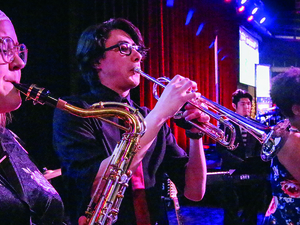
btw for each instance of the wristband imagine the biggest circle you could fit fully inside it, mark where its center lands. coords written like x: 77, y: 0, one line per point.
x: 192, y: 135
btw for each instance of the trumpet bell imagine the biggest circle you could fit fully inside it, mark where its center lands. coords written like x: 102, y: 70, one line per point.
x: 269, y: 137
x: 275, y: 140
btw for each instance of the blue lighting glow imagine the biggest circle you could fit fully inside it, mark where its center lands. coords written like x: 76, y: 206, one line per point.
x: 254, y: 10
x: 200, y: 29
x: 170, y: 3
x: 189, y: 17
x: 262, y: 20
x: 212, y: 44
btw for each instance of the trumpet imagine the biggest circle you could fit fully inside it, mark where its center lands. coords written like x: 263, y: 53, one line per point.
x: 226, y: 117
x: 106, y: 200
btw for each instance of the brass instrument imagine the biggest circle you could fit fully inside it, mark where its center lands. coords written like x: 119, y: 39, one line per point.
x: 277, y: 138
x: 106, y: 200
x: 225, y: 117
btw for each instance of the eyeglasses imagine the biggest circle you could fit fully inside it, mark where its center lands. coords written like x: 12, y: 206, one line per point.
x: 126, y: 49
x: 8, y: 50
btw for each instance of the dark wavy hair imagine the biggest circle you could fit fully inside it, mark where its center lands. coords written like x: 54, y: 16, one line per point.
x: 285, y: 90
x: 238, y: 94
x: 91, y: 45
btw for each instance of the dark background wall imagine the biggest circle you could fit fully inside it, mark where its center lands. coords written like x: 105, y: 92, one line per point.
x: 43, y: 26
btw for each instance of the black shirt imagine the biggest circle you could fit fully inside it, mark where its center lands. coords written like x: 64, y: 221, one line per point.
x: 82, y: 143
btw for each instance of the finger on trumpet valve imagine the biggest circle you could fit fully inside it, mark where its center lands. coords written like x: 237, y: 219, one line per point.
x: 197, y: 100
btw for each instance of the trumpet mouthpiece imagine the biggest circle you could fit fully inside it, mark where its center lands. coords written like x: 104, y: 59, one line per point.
x: 137, y: 69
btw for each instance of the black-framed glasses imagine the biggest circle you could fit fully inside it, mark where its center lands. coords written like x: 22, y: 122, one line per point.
x: 126, y: 49
x: 8, y: 50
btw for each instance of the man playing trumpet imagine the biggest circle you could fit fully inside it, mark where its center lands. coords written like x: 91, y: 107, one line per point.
x: 108, y: 53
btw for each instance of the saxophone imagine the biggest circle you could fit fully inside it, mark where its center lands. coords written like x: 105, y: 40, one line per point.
x: 106, y: 200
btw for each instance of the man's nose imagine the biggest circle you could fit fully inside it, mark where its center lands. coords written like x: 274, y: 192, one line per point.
x: 17, y: 63
x: 137, y: 57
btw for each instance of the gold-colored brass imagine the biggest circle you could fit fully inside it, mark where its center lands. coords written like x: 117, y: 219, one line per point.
x: 105, y: 202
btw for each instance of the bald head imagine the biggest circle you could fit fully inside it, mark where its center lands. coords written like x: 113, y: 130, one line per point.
x: 3, y: 16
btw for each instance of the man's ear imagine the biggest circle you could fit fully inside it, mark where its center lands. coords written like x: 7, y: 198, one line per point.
x: 296, y: 109
x: 234, y: 106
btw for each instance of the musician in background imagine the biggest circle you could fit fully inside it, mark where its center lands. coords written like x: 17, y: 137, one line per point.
x: 285, y: 170
x: 242, y: 193
x: 107, y: 55
x: 26, y: 197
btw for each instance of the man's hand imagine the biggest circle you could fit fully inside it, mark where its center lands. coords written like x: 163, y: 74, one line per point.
x: 179, y: 91
x: 193, y: 113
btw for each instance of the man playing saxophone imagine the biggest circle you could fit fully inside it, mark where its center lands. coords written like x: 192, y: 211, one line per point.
x: 108, y: 53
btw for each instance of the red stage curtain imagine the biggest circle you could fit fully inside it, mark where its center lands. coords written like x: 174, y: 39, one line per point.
x: 176, y: 49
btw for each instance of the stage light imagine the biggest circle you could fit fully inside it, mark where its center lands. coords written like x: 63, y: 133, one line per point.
x: 262, y: 20
x: 254, y: 10
x: 189, y: 17
x: 224, y: 57
x: 241, y: 9
x: 200, y: 29
x: 170, y: 3
x: 250, y: 18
